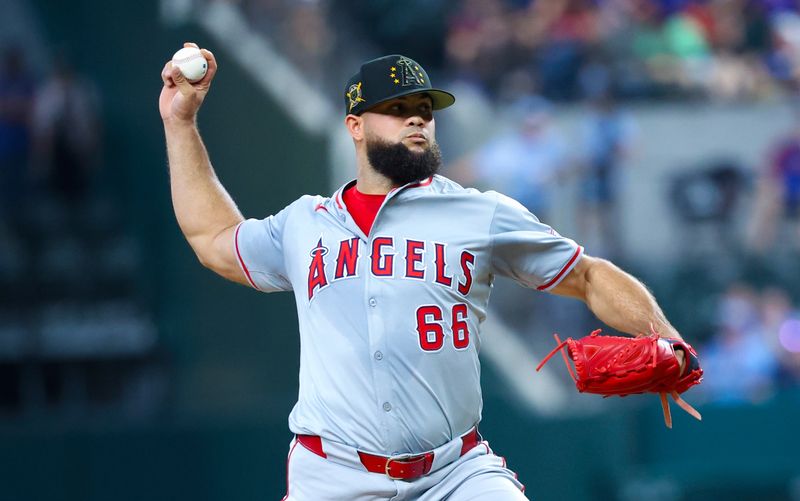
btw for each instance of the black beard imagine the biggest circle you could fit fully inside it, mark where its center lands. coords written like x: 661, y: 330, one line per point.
x: 401, y: 165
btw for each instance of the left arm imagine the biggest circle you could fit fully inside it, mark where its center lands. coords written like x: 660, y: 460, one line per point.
x: 615, y: 297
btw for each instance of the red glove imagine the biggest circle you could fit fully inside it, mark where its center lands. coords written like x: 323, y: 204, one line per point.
x: 613, y: 365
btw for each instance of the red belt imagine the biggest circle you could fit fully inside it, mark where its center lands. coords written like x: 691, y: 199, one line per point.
x: 402, y: 467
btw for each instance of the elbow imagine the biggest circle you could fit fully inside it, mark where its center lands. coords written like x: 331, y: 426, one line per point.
x: 205, y: 261
x: 215, y: 264
x: 575, y: 283
x: 202, y: 251
x: 595, y: 267
x: 213, y: 258
x: 216, y: 252
x: 599, y: 272
x: 588, y: 274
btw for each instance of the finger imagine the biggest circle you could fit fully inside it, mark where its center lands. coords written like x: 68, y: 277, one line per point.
x: 183, y: 85
x: 166, y: 75
x: 681, y: 359
x: 212, y: 65
x: 190, y: 44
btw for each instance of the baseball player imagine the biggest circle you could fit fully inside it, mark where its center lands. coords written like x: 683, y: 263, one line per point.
x: 391, y: 275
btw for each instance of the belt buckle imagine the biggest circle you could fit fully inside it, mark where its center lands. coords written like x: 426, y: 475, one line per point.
x: 400, y: 458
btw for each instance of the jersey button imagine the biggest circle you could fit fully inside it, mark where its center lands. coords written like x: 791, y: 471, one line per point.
x: 373, y: 302
x: 378, y: 355
x: 387, y: 406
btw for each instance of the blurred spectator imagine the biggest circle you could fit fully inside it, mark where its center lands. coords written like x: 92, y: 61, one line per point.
x: 740, y: 365
x: 573, y: 29
x: 781, y: 324
x: 67, y: 132
x: 729, y: 49
x: 778, y: 194
x: 785, y: 60
x: 726, y: 49
x: 478, y: 43
x: 740, y: 33
x: 16, y: 104
x: 608, y: 139
x: 523, y: 162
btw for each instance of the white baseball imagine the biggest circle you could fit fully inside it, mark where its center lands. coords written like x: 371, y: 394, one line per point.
x: 192, y: 63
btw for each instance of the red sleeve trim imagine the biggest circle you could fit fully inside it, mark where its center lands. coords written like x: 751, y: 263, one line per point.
x: 241, y: 261
x: 563, y: 271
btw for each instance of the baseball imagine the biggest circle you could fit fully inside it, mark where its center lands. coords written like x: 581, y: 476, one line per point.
x: 192, y: 63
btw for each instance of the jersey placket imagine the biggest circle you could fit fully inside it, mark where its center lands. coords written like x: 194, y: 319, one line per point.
x: 376, y: 300
x: 374, y: 310
x: 376, y: 304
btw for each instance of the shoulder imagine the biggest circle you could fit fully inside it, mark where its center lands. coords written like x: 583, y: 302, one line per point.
x: 447, y: 186
x: 441, y: 184
x: 306, y: 204
x: 505, y: 202
x: 306, y: 201
x: 444, y: 186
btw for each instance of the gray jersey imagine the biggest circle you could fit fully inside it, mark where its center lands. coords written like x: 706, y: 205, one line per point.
x: 390, y: 321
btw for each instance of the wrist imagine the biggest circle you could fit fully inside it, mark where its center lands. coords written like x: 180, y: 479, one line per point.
x: 671, y: 332
x: 180, y: 123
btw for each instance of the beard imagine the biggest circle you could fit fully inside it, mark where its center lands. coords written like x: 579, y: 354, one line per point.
x: 401, y: 165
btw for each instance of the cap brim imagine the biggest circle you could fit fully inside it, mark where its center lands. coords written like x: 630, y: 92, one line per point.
x: 441, y: 98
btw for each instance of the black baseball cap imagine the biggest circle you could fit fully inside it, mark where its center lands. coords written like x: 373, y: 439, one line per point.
x: 389, y: 77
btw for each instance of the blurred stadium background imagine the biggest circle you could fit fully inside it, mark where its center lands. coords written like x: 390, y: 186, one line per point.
x: 664, y: 135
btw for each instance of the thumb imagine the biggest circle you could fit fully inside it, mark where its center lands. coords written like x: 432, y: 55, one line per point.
x: 184, y: 87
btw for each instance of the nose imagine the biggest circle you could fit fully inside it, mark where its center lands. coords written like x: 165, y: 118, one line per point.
x: 415, y: 121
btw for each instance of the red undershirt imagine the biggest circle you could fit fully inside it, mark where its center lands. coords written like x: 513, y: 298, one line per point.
x: 362, y: 207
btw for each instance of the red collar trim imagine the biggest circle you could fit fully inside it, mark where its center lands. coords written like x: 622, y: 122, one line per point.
x: 338, y: 195
x: 418, y: 184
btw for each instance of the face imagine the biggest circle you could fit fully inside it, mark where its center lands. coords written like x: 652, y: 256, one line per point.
x: 407, y: 120
x: 399, y: 139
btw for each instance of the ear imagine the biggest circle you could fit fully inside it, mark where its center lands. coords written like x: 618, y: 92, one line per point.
x: 355, y: 125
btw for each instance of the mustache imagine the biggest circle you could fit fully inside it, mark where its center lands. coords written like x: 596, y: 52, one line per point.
x: 415, y: 131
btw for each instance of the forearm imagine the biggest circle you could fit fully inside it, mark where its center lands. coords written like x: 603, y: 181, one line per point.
x: 623, y: 302
x: 202, y: 206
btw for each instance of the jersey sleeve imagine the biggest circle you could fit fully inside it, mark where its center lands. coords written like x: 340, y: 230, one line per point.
x: 259, y: 248
x: 527, y: 250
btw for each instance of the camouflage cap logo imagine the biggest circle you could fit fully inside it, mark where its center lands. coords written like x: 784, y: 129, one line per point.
x: 408, y: 74
x: 354, y: 95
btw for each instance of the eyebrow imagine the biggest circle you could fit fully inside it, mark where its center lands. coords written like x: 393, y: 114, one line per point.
x: 405, y: 99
